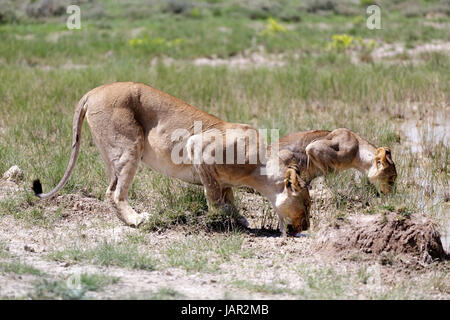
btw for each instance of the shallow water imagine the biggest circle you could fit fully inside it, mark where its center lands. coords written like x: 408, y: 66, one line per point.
x: 446, y: 242
x: 445, y: 238
x: 419, y: 132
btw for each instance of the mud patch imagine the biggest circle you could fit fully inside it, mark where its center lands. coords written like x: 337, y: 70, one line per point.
x: 7, y: 188
x: 425, y: 132
x: 67, y: 66
x: 243, y: 61
x: 393, y: 51
x: 75, y: 205
x: 415, y: 236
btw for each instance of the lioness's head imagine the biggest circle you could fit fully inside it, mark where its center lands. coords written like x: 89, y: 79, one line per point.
x: 294, y: 203
x: 383, y: 173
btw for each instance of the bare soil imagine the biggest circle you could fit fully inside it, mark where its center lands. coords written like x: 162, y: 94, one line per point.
x: 277, y: 268
x: 414, y: 235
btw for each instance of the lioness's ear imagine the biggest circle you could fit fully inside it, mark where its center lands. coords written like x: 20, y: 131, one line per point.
x: 388, y: 155
x: 383, y: 154
x: 292, y: 177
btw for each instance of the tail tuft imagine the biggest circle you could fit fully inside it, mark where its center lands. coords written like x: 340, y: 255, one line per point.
x: 37, y: 187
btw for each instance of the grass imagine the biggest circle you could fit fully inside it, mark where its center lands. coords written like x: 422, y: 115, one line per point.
x: 4, y: 252
x: 193, y: 254
x: 177, y: 204
x: 325, y: 83
x: 55, y: 289
x: 19, y: 268
x: 10, y: 264
x: 335, y: 282
x: 95, y: 282
x: 271, y: 288
x: 199, y: 254
x: 108, y: 254
x: 166, y: 293
x: 25, y: 207
x: 70, y: 289
x: 163, y: 293
x: 192, y: 259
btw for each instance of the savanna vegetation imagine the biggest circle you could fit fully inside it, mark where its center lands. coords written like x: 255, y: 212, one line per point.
x: 290, y: 65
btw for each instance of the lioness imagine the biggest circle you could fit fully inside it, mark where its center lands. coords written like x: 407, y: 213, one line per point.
x: 319, y: 151
x: 132, y: 122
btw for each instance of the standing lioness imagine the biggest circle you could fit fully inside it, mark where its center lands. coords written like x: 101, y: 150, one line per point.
x: 132, y: 122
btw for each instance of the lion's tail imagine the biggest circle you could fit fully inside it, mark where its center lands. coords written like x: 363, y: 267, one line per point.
x: 78, y: 118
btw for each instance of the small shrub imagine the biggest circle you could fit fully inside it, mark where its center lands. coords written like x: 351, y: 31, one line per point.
x: 341, y: 42
x: 94, y: 282
x: 272, y: 28
x: 46, y: 8
x: 18, y: 268
x: 55, y: 289
x: 320, y: 5
x: 178, y: 7
x: 366, y: 3
x: 261, y: 9
x: 7, y: 12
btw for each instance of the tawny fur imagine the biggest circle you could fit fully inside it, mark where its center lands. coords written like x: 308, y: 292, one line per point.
x: 319, y: 152
x: 132, y: 122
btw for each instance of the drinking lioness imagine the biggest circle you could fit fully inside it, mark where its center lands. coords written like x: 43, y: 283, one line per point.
x: 319, y: 152
x: 132, y: 122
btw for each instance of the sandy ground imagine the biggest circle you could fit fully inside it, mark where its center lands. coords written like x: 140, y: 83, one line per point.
x: 277, y: 268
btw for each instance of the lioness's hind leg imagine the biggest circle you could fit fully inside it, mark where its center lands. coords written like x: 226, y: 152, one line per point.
x: 121, y: 142
x: 125, y: 168
x: 103, y: 146
x: 332, y: 154
x: 322, y: 154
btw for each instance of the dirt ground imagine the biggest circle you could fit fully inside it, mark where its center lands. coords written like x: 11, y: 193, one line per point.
x: 265, y: 266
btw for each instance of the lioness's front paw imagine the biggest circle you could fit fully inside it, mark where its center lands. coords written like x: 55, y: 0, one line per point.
x: 144, y: 216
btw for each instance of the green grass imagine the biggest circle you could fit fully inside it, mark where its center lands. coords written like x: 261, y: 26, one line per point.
x: 166, y: 294
x: 18, y: 267
x: 334, y: 282
x: 198, y: 254
x: 25, y: 206
x: 95, y: 282
x: 45, y: 69
x: 191, y: 259
x: 55, y: 289
x: 4, y: 252
x: 270, y: 288
x: 163, y: 293
x: 193, y: 254
x: 177, y: 204
x: 321, y: 89
x: 108, y: 254
x: 10, y: 264
x: 75, y: 287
